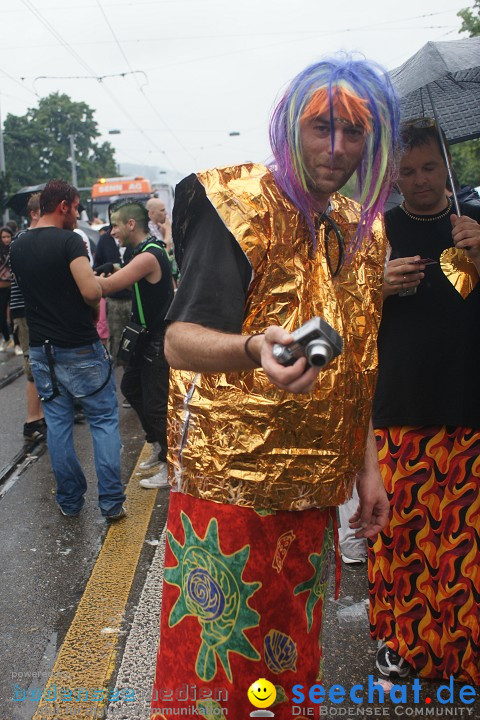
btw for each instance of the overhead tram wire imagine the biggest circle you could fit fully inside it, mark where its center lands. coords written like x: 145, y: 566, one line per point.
x: 30, y: 6
x: 84, y: 77
x: 18, y: 82
x: 290, y: 41
x: 141, y: 87
x: 109, y: 24
x: 136, y: 3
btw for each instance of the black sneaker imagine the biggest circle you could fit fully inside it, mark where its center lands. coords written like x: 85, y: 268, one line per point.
x: 35, y: 430
x: 116, y: 516
x: 390, y: 663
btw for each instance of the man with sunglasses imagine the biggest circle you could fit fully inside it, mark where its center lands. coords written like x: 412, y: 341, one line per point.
x: 261, y: 454
x: 424, y: 570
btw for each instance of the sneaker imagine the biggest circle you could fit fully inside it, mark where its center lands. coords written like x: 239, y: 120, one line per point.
x: 67, y: 513
x: 156, y: 481
x: 116, y: 516
x: 35, y: 430
x: 3, y: 345
x: 126, y: 404
x: 353, y: 561
x: 390, y: 664
x: 10, y: 346
x: 18, y: 350
x: 152, y: 459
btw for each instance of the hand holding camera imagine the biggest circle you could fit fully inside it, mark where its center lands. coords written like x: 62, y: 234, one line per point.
x: 297, y: 369
x: 106, y: 269
x: 316, y: 340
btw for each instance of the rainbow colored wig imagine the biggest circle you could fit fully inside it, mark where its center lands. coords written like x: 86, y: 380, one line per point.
x: 360, y: 91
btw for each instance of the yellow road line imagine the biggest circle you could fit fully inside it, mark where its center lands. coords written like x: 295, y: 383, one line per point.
x: 86, y: 659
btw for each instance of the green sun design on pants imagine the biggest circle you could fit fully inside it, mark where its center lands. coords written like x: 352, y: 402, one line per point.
x: 212, y: 590
x: 318, y: 582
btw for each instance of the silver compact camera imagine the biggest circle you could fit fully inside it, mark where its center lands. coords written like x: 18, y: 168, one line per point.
x: 316, y: 340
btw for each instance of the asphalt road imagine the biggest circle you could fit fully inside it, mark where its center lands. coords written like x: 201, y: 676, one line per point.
x: 45, y: 558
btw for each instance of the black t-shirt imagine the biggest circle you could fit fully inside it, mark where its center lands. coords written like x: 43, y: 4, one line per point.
x: 215, y: 272
x: 429, y: 343
x: 55, y: 309
x: 155, y: 297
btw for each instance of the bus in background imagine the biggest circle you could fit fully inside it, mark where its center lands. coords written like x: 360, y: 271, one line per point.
x: 108, y: 190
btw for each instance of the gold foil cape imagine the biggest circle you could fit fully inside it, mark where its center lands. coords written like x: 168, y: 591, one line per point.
x: 236, y: 438
x: 459, y: 270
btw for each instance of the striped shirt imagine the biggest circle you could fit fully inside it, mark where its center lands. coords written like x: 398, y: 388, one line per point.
x: 17, y: 303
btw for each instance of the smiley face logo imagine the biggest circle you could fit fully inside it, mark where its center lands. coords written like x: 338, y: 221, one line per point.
x: 262, y: 693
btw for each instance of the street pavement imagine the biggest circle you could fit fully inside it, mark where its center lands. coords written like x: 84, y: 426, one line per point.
x: 46, y: 559
x: 80, y: 602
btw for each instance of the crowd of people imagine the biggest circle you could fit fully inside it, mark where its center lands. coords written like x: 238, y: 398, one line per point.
x: 259, y: 452
x: 67, y: 365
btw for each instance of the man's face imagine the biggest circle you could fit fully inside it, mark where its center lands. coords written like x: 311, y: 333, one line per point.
x: 70, y: 215
x: 422, y: 178
x: 121, y: 231
x: 328, y: 170
x: 157, y: 213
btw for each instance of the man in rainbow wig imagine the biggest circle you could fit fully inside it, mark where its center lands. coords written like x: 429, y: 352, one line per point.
x: 261, y: 453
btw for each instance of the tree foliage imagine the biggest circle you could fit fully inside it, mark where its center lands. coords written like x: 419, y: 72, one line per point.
x: 466, y: 155
x: 37, y: 144
x: 466, y: 161
x: 471, y: 19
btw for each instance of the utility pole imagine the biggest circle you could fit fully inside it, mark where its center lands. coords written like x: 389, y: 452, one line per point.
x: 6, y: 214
x: 72, y: 157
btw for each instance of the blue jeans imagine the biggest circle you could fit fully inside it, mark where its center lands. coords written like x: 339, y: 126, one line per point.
x: 79, y: 372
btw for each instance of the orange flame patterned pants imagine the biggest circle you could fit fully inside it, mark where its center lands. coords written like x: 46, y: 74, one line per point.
x: 424, y: 568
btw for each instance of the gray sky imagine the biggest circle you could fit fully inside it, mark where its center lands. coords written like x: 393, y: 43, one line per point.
x: 196, y: 70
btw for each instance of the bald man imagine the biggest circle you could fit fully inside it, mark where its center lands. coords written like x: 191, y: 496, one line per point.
x: 160, y: 227
x: 159, y: 224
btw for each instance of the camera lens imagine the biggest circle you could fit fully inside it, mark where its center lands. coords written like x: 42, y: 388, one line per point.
x: 318, y: 353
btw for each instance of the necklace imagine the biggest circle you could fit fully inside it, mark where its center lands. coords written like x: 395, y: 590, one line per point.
x: 423, y: 218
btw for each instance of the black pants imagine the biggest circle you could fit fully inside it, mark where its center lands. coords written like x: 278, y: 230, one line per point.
x: 4, y: 300
x: 145, y: 385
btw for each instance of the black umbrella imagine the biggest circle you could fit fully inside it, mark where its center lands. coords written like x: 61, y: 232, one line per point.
x: 442, y: 80
x: 18, y: 202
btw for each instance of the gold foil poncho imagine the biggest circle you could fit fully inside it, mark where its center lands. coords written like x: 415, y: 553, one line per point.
x: 236, y: 438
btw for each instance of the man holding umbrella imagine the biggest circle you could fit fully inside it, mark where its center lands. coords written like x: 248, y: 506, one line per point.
x: 424, y: 569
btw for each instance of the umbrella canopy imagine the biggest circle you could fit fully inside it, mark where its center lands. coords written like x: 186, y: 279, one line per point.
x: 446, y: 74
x: 90, y: 232
x: 18, y: 202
